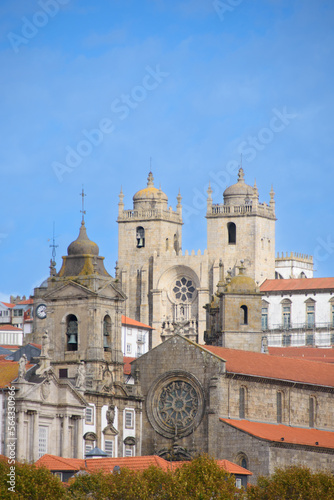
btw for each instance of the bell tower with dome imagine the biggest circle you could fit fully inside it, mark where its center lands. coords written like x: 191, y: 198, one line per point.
x: 151, y: 227
x: 243, y: 228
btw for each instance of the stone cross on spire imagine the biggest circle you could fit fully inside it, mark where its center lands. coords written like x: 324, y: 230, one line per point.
x: 83, y: 211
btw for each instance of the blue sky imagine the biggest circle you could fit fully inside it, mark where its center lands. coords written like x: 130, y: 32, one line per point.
x: 188, y: 83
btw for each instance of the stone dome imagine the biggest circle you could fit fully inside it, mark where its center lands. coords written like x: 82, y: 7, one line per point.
x: 242, y: 283
x: 237, y: 193
x: 150, y: 193
x: 83, y: 245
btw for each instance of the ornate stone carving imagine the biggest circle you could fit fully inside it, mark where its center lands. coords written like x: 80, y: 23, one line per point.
x: 175, y: 404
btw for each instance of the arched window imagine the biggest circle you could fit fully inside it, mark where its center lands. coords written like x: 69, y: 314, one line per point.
x: 176, y: 243
x: 279, y: 407
x: 232, y: 233
x: 244, y: 315
x: 242, y: 460
x: 72, y: 332
x: 242, y: 402
x: 107, y: 333
x: 140, y: 235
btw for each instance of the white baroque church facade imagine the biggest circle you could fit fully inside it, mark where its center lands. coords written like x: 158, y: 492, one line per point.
x: 167, y: 287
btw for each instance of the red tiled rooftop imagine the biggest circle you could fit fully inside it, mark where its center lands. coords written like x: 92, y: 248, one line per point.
x: 132, y: 322
x: 297, y: 284
x: 9, y: 371
x: 25, y: 302
x: 127, y: 367
x: 310, y: 353
x: 55, y: 463
x: 10, y: 328
x: 275, y: 367
x: 292, y: 435
x: 7, y: 304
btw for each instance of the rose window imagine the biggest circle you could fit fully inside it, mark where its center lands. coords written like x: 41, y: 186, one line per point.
x: 184, y: 290
x: 178, y: 405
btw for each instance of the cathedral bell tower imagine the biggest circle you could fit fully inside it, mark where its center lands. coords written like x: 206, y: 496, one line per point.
x: 83, y: 307
x: 150, y: 228
x: 243, y: 228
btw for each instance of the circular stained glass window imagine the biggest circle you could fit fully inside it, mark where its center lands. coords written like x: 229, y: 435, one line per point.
x: 178, y: 405
x: 184, y: 290
x: 175, y: 404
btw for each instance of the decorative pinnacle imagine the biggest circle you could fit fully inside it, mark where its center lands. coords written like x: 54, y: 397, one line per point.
x: 150, y: 180
x: 179, y: 197
x: 83, y: 211
x: 209, y: 191
x: 241, y: 175
x: 272, y: 192
x: 121, y: 195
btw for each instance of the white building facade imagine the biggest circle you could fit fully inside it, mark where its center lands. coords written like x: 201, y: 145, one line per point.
x: 298, y: 312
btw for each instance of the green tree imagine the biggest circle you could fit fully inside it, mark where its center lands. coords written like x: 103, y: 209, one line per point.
x: 293, y: 483
x: 31, y: 482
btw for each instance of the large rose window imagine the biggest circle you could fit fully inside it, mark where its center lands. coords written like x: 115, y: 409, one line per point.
x: 175, y: 404
x: 184, y: 290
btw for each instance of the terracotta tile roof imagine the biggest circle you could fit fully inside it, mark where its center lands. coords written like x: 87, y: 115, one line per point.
x: 297, y: 284
x: 132, y: 322
x: 275, y: 367
x: 223, y: 464
x: 310, y: 353
x: 291, y: 435
x: 10, y: 328
x: 55, y: 463
x: 127, y: 367
x: 7, y: 304
x: 25, y: 302
x: 9, y: 371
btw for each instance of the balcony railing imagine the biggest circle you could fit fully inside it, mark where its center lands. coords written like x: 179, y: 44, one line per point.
x: 300, y: 326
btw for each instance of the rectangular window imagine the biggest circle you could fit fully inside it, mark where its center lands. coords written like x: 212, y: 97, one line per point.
x: 311, y: 412
x: 88, y: 447
x: 59, y: 475
x: 42, y: 440
x: 89, y: 415
x: 286, y: 316
x: 310, y: 311
x: 141, y: 337
x: 62, y: 372
x: 238, y: 483
x: 128, y: 348
x: 6, y: 313
x: 279, y: 407
x: 129, y: 419
x: 0, y: 313
x: 109, y: 447
x: 333, y: 315
x: 128, y: 451
x: 264, y: 318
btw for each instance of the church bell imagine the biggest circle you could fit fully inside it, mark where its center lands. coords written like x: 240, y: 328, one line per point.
x: 72, y: 339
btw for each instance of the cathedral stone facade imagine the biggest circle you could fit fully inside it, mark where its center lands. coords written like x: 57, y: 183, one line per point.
x: 168, y: 287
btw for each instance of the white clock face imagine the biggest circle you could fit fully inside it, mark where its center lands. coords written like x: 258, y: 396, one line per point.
x: 41, y: 311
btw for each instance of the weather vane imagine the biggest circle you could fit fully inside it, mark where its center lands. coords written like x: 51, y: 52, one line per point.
x: 53, y: 245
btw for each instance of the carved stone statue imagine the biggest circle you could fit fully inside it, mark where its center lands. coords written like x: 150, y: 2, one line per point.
x: 45, y: 344
x: 110, y: 415
x: 81, y: 376
x: 22, y: 367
